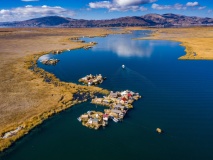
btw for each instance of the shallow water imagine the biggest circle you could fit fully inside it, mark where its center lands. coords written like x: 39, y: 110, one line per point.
x: 177, y: 97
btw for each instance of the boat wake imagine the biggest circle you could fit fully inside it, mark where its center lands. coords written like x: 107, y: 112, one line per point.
x: 125, y: 77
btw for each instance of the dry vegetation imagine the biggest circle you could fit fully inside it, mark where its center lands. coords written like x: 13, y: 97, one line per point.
x: 197, y: 40
x: 25, y: 99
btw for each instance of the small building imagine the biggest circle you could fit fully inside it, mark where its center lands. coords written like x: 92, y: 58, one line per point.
x: 119, y: 107
x: 132, y: 93
x: 95, y: 121
x: 113, y: 95
x: 84, y: 116
x: 122, y: 102
x: 90, y: 121
x: 123, y: 93
x: 130, y: 101
x: 124, y: 99
x: 117, y: 111
x: 98, y: 100
x: 107, y: 101
x: 105, y: 117
x: 129, y: 95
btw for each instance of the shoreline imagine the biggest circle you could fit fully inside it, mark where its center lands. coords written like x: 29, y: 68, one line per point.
x: 67, y: 92
x: 196, y: 40
x: 61, y: 93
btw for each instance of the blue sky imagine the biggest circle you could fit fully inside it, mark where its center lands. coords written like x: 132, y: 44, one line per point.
x: 98, y: 9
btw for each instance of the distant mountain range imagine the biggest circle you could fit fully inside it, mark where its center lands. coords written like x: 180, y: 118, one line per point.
x: 149, y: 20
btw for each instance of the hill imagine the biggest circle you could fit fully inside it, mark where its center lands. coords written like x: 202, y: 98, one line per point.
x: 150, y: 20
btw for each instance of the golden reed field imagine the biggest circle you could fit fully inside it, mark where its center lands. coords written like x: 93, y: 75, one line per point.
x: 197, y: 40
x: 26, y: 99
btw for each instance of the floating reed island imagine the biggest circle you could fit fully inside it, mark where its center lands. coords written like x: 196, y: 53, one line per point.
x: 92, y: 80
x: 93, y: 119
x: 50, y: 61
x: 124, y: 98
x: 118, y: 102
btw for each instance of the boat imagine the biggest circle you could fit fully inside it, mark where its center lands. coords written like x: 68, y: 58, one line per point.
x: 88, y: 112
x: 115, y: 119
x: 79, y: 119
x: 123, y: 66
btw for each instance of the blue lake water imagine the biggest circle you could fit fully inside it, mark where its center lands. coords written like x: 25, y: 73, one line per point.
x: 177, y: 97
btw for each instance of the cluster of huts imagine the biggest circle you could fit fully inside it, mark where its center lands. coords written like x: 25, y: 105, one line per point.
x: 50, y: 61
x: 92, y: 80
x: 118, y: 102
x: 93, y: 119
x: 124, y: 98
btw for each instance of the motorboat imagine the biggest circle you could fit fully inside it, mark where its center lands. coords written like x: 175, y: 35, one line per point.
x: 79, y: 119
x: 115, y: 119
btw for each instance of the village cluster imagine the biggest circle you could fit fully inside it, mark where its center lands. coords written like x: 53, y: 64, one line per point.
x: 92, y: 80
x: 118, y: 104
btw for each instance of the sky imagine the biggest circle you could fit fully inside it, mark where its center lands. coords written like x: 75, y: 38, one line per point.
x: 18, y: 10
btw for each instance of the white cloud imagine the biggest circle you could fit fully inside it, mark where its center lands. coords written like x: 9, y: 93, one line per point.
x: 192, y: 4
x: 178, y: 6
x: 29, y: 0
x: 29, y: 11
x: 210, y: 11
x: 28, y: 6
x: 102, y: 4
x: 123, y: 49
x: 161, y: 7
x: 127, y: 8
x: 121, y: 5
x: 142, y: 8
x: 126, y: 48
x: 132, y: 2
x: 201, y: 8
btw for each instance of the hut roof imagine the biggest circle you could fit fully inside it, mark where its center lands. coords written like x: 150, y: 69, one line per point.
x: 124, y: 98
x: 107, y: 100
x: 84, y: 116
x: 123, y: 93
x: 112, y: 94
x: 95, y: 120
x: 119, y: 106
x: 116, y: 111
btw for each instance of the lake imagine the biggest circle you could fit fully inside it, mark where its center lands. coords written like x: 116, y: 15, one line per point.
x: 177, y: 96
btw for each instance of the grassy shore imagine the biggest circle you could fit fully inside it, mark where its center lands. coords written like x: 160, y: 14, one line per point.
x: 25, y: 98
x: 197, y: 40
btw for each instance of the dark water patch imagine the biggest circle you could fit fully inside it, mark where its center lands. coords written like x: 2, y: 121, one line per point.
x: 82, y: 96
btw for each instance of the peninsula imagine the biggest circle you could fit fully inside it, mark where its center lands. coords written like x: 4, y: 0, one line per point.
x: 29, y: 95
